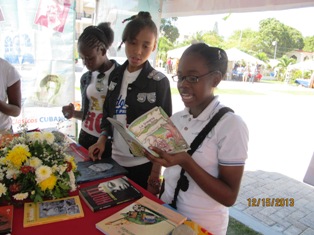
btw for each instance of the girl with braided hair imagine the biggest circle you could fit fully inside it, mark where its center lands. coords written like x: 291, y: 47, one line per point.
x: 134, y: 88
x: 93, y: 45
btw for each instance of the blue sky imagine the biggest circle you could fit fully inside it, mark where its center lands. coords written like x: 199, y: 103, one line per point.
x: 300, y: 18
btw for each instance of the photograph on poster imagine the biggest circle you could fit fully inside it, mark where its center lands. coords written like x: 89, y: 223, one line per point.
x: 52, y: 14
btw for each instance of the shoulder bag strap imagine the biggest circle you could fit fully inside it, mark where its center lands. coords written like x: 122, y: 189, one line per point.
x: 183, y: 182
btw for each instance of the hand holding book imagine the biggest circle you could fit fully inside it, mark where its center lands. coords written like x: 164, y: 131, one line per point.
x: 154, y: 128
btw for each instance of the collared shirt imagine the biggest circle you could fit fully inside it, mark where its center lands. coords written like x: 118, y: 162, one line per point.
x: 226, y: 144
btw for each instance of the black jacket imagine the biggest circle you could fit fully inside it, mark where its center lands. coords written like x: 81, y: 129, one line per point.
x: 151, y: 88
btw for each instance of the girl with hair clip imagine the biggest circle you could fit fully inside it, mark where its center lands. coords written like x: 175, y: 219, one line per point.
x: 134, y: 88
x: 204, y: 181
x: 93, y: 44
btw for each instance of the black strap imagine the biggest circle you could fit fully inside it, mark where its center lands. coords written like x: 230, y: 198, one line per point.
x: 183, y: 182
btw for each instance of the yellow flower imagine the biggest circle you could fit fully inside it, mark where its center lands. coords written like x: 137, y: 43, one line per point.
x: 48, y: 183
x: 18, y: 155
x: 42, y: 173
x: 49, y: 137
x: 72, y: 161
x: 20, y: 196
x: 3, y: 189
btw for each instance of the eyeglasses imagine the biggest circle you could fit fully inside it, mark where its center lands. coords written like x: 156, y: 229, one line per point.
x: 100, y: 86
x: 191, y: 79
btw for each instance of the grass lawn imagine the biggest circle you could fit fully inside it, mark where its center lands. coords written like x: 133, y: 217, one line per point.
x: 236, y: 228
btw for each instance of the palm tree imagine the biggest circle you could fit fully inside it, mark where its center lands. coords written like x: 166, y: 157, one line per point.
x: 283, y: 64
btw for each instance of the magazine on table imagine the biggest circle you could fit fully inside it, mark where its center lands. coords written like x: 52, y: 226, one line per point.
x: 142, y: 217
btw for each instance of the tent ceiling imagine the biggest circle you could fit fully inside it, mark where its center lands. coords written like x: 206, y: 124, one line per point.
x: 177, y: 8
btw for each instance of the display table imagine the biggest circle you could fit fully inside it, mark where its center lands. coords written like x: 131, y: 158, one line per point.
x: 80, y: 226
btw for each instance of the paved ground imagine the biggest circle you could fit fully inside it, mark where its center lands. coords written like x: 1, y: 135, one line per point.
x: 281, y: 146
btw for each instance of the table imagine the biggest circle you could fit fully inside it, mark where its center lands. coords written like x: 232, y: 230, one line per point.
x: 80, y: 226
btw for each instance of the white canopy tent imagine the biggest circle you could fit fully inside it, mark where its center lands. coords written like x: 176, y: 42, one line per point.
x: 235, y: 54
x: 177, y: 52
x: 304, y: 65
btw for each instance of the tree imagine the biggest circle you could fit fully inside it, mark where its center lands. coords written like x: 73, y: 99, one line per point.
x: 245, y: 40
x: 164, y: 45
x: 283, y: 64
x: 168, y: 30
x: 286, y: 37
x: 309, y: 44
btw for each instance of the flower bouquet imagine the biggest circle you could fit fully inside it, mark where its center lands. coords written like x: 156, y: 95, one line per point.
x: 34, y: 166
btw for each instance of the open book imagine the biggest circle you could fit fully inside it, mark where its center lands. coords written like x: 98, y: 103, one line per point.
x: 153, y: 128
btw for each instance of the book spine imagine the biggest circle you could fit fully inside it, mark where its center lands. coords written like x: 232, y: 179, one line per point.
x: 98, y: 199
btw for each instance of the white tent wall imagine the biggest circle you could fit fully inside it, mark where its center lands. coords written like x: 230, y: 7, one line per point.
x: 176, y: 8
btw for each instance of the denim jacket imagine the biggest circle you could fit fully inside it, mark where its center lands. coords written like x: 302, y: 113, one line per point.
x: 85, y: 81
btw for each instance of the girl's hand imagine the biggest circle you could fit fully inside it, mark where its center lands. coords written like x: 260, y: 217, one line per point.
x: 166, y: 159
x: 68, y: 111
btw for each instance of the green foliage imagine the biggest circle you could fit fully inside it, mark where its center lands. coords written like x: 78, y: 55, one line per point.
x: 164, y: 45
x: 309, y: 44
x: 245, y: 40
x: 287, y: 38
x: 168, y: 30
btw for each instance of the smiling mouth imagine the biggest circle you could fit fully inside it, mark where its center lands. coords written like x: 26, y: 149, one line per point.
x: 186, y: 96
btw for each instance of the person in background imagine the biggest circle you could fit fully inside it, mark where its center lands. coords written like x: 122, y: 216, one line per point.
x: 92, y: 47
x: 134, y: 88
x: 10, y: 95
x: 215, y: 169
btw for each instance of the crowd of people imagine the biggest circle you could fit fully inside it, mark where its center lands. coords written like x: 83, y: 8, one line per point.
x: 246, y: 73
x: 212, y: 169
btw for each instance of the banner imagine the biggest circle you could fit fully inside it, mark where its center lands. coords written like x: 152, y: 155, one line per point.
x: 37, y: 37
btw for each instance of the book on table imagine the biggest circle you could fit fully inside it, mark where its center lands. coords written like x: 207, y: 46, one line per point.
x: 153, y: 128
x: 100, y: 169
x: 51, y: 211
x: 142, y: 217
x: 190, y: 227
x: 109, y: 193
x: 6, y: 219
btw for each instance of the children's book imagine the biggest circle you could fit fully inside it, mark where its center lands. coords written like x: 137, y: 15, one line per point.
x: 154, y: 128
x: 109, y: 193
x: 6, y: 219
x: 142, y: 217
x: 190, y: 227
x: 51, y: 211
x: 100, y: 169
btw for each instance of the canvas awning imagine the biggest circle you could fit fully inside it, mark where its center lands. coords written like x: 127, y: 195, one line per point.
x: 235, y: 54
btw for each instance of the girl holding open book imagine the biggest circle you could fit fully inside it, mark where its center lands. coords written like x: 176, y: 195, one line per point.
x: 134, y: 88
x: 204, y: 181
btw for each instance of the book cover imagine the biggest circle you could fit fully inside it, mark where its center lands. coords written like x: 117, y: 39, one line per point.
x: 143, y: 216
x: 100, y: 169
x: 154, y: 128
x: 190, y: 227
x: 109, y: 193
x: 51, y: 211
x: 6, y: 219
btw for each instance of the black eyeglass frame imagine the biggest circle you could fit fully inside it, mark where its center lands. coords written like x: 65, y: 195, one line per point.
x: 192, y: 78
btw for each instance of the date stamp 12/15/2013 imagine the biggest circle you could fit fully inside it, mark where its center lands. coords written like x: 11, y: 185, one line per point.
x: 270, y: 202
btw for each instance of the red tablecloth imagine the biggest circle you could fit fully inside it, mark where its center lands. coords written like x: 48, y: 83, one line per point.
x: 81, y: 226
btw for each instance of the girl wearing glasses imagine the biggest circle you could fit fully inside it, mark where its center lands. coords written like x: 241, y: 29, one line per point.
x: 214, y: 171
x: 93, y: 45
x: 134, y: 88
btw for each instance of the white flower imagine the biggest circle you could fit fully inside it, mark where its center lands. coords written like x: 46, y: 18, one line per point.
x: 3, y: 189
x: 34, y: 162
x: 12, y: 172
x: 72, y: 181
x: 42, y: 173
x: 49, y: 137
x: 33, y: 136
x: 20, y: 196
